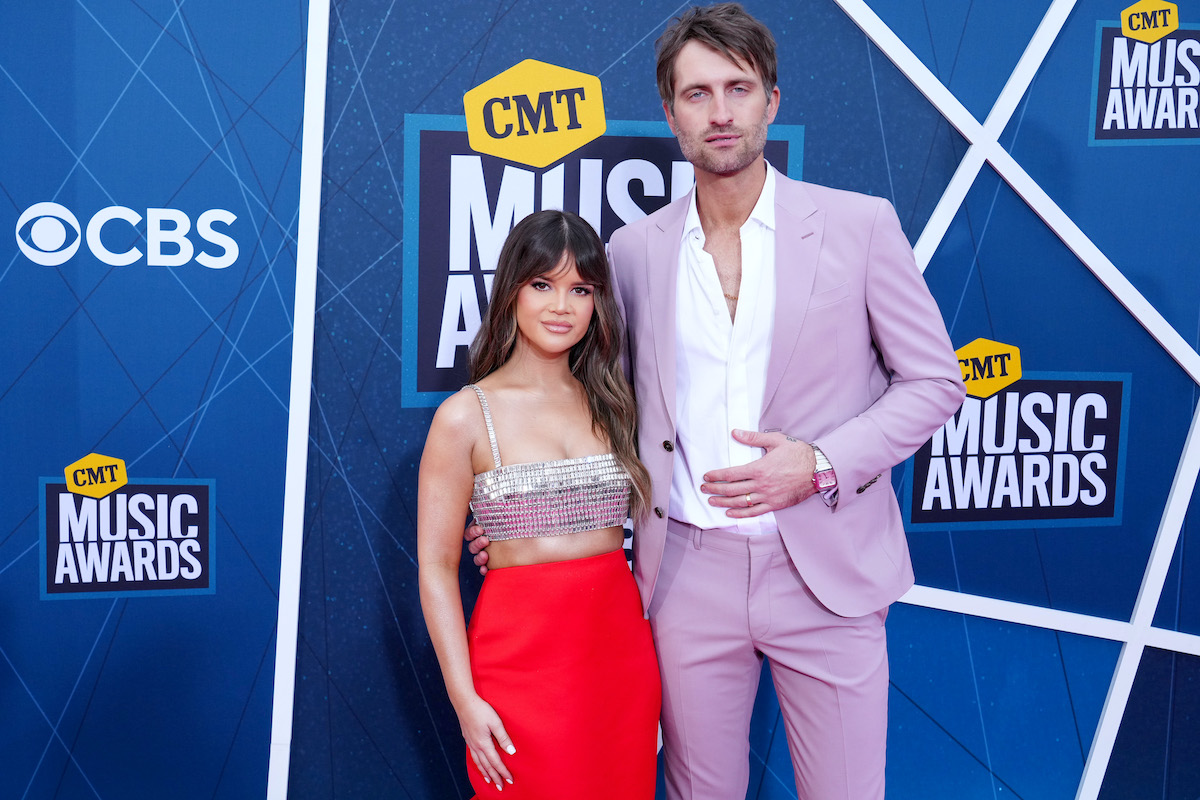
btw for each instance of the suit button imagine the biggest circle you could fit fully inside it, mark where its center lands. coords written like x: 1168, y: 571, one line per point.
x: 658, y: 512
x: 668, y: 446
x: 868, y: 484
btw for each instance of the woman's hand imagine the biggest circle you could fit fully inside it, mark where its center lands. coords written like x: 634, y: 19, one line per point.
x: 483, y: 731
x: 477, y: 543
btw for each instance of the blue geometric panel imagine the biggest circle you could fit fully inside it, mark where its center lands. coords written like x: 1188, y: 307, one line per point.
x: 999, y: 707
x: 1179, y: 607
x: 1157, y: 751
x: 972, y: 48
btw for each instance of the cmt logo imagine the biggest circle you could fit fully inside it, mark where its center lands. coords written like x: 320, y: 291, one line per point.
x: 1149, y: 20
x: 534, y: 113
x: 49, y: 234
x: 96, y: 476
x: 988, y: 367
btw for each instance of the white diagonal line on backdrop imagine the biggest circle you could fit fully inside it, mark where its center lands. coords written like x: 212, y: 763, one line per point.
x: 1163, y: 639
x: 296, y: 472
x: 1048, y: 618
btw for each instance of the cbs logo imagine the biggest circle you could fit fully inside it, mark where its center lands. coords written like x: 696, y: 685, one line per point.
x: 49, y: 234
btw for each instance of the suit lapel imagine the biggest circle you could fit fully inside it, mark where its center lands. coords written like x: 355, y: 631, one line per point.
x: 662, y: 278
x: 799, y: 227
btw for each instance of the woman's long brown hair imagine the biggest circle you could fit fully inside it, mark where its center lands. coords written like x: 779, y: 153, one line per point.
x: 534, y: 247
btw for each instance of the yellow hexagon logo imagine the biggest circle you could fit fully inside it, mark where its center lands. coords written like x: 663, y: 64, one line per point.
x: 534, y: 113
x: 1149, y: 20
x: 96, y: 476
x: 988, y: 367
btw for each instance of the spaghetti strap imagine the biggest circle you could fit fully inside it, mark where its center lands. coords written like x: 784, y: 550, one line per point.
x: 487, y: 419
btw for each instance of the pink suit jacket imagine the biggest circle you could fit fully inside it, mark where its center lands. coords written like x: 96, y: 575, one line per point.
x: 860, y: 364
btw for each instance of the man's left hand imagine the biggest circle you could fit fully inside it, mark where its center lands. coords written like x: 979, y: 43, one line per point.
x: 781, y: 478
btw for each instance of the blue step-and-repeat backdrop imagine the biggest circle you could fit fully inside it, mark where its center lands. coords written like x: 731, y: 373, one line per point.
x: 245, y: 245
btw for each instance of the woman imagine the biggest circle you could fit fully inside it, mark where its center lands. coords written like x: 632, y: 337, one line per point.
x: 557, y: 668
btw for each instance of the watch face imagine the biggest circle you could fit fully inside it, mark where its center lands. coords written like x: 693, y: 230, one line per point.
x: 824, y: 480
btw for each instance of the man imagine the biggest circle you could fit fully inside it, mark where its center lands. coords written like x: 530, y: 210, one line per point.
x: 782, y: 345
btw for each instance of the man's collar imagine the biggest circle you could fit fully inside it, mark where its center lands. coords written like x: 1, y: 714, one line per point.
x: 763, y: 211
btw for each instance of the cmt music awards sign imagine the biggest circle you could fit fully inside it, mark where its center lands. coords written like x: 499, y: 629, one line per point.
x: 1025, y: 449
x: 104, y: 536
x: 533, y: 137
x: 1147, y: 80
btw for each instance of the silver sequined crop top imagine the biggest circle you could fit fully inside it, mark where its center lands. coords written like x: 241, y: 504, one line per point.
x: 548, y: 498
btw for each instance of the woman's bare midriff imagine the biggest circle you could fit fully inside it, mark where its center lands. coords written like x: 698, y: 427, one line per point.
x: 546, y: 549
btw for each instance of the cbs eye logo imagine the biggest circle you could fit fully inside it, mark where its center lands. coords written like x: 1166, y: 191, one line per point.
x: 45, y: 239
x: 49, y: 234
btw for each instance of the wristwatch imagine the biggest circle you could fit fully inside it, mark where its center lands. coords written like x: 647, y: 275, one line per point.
x: 824, y: 480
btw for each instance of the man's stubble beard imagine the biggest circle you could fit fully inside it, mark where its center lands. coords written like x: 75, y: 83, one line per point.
x: 751, y: 146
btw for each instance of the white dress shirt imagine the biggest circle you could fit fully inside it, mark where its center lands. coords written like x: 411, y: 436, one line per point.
x: 721, y: 363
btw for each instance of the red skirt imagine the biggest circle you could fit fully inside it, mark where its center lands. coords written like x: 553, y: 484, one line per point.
x: 563, y: 655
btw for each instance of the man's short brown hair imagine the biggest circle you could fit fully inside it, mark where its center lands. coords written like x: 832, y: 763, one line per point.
x: 726, y: 28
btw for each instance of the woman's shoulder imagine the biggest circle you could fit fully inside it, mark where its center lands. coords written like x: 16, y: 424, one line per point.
x: 459, y: 414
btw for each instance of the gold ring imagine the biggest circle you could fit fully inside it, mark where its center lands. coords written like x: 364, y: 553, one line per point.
x: 748, y: 503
